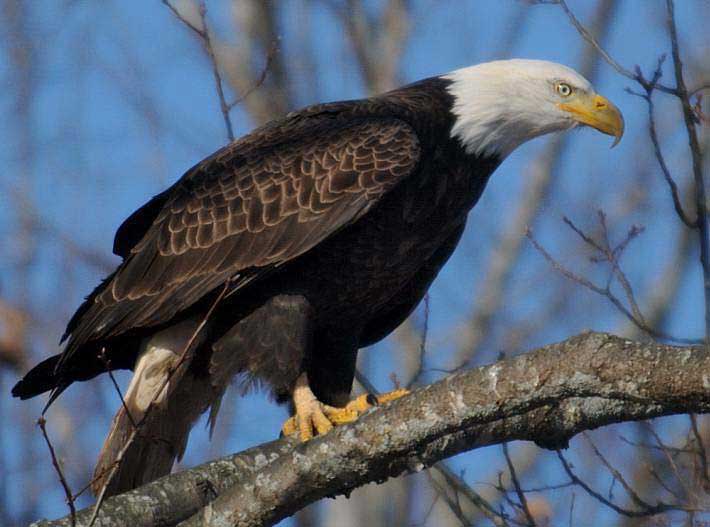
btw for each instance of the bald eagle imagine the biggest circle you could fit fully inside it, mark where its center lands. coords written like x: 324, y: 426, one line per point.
x: 279, y: 256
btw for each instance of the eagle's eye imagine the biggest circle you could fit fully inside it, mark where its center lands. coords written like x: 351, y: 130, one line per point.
x: 564, y: 89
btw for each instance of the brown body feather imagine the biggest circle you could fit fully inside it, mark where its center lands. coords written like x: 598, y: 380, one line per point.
x: 329, y: 225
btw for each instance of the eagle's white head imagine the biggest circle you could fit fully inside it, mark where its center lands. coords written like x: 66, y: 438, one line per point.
x: 500, y: 105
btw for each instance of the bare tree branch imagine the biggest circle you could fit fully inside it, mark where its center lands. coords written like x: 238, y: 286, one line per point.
x: 697, y: 163
x: 518, y: 489
x: 589, y: 37
x: 624, y: 512
x: 378, y: 42
x: 204, y: 34
x: 702, y: 452
x: 456, y: 484
x: 258, y: 33
x: 618, y: 476
x: 57, y: 467
x: 546, y: 396
x: 690, y: 118
x: 648, y: 96
x: 604, y: 291
x: 260, y: 80
x: 667, y: 452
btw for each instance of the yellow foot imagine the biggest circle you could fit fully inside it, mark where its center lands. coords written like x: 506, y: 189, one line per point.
x: 315, y: 418
x: 367, y: 401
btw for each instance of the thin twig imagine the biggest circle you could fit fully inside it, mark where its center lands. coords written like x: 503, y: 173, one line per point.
x: 680, y: 211
x: 697, y: 161
x: 96, y: 477
x: 107, y: 364
x: 669, y: 457
x: 654, y: 474
x: 453, y: 503
x: 545, y: 488
x: 541, y: 488
x: 586, y: 35
x: 67, y: 490
x: 505, y: 494
x: 702, y: 453
x: 612, y: 256
x: 647, y: 446
x: 427, y: 514
x: 605, y: 292
x: 518, y: 489
x: 648, y: 97
x: 702, y: 87
x: 459, y: 485
x: 422, y: 342
x: 618, y: 476
x: 206, y: 39
x: 585, y: 238
x: 273, y: 49
x: 625, y: 512
x: 224, y: 107
x: 178, y: 15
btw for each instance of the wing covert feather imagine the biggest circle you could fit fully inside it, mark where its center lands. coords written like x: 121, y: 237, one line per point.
x: 251, y: 207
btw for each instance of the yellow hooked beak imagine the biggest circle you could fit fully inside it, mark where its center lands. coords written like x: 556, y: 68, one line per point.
x: 597, y: 112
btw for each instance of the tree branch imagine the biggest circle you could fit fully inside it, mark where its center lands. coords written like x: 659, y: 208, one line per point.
x: 546, y: 396
x: 697, y: 159
x: 586, y: 35
x: 204, y: 34
x: 602, y: 291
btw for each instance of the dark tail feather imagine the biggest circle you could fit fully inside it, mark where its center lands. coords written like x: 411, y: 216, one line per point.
x: 38, y: 380
x: 45, y: 377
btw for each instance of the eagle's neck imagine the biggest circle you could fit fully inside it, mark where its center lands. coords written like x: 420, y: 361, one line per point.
x: 493, y: 115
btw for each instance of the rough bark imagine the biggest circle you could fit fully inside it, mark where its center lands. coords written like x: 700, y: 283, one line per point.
x: 546, y: 396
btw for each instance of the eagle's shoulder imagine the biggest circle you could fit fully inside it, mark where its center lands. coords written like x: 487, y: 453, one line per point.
x: 294, y: 127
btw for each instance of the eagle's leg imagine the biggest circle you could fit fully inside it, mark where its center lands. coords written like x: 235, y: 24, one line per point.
x: 310, y: 414
x: 314, y: 417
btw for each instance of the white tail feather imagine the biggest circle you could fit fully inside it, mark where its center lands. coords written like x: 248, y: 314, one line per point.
x: 163, y: 435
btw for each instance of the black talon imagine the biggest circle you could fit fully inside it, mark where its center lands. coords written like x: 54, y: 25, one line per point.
x: 372, y: 400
